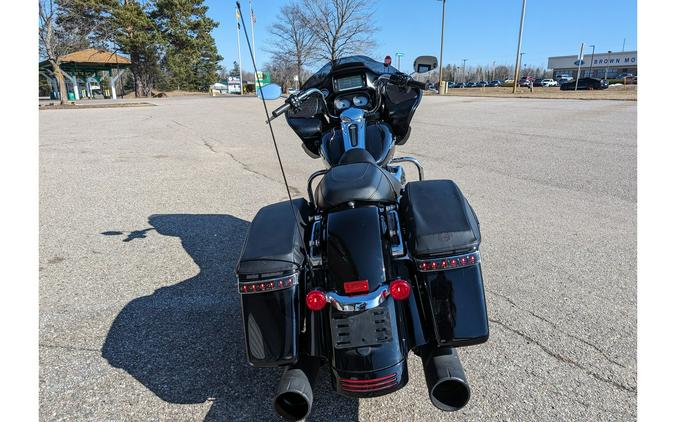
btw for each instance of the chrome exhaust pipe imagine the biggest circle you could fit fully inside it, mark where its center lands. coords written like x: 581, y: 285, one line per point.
x: 446, y: 381
x: 294, y: 397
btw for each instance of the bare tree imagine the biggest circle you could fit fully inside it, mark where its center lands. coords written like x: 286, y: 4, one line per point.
x: 55, y: 43
x: 294, y: 40
x: 341, y: 27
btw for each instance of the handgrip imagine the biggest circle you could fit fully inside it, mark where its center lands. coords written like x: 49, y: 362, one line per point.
x: 280, y: 110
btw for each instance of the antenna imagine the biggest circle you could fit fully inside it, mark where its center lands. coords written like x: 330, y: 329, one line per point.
x: 276, y: 147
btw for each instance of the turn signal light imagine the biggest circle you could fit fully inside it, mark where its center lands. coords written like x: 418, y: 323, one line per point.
x: 399, y: 289
x: 315, y: 300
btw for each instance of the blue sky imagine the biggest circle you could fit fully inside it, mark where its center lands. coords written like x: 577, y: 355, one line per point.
x: 481, y: 32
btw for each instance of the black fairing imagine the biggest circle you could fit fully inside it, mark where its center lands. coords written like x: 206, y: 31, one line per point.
x: 401, y: 104
x: 309, y: 121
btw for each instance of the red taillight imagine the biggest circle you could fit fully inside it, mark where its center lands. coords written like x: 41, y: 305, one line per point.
x: 355, y: 286
x: 399, y: 289
x: 315, y: 300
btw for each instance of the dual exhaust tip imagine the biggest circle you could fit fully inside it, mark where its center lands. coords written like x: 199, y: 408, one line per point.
x: 448, y: 388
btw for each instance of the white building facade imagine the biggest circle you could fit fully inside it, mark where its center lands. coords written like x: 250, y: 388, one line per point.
x: 607, y: 65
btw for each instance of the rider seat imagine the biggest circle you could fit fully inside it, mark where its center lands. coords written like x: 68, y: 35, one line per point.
x: 357, y: 179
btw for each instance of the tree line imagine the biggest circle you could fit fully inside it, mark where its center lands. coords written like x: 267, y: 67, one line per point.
x: 307, y: 32
x: 169, y: 42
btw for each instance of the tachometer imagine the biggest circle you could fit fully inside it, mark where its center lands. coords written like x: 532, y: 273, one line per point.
x: 341, y: 103
x: 360, y: 101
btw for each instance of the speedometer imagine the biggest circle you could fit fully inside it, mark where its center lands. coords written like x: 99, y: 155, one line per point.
x: 341, y: 104
x: 360, y: 101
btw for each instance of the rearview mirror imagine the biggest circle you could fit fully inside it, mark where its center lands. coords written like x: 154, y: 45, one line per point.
x: 269, y: 92
x: 424, y: 64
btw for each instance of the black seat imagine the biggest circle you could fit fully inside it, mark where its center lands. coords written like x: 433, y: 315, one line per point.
x: 361, y: 181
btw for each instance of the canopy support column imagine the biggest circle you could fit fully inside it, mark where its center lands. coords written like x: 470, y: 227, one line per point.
x: 113, y: 82
x: 73, y: 80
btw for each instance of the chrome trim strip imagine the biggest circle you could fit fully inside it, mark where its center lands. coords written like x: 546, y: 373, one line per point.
x: 397, y: 249
x: 358, y: 303
x: 420, y: 169
x: 314, y: 243
x: 311, y: 178
x: 353, y: 116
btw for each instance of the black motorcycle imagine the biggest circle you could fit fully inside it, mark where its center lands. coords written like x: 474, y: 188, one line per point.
x: 369, y: 266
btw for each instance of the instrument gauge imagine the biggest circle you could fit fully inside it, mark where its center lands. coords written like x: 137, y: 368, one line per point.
x: 360, y: 101
x: 341, y: 104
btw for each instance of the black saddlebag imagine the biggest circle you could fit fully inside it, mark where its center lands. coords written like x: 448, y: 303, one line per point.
x: 269, y: 273
x: 443, y: 236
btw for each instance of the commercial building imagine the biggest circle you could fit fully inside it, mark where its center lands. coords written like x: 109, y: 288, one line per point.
x: 599, y: 65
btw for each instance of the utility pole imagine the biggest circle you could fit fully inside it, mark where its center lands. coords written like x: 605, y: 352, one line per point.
x: 592, y: 56
x: 464, y: 70
x: 624, y: 46
x: 609, y: 56
x: 579, y: 62
x: 441, y: 88
x: 241, y: 80
x: 518, y: 55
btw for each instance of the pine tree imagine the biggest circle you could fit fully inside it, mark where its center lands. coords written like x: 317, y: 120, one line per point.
x: 235, y: 70
x: 191, y: 58
x: 122, y: 26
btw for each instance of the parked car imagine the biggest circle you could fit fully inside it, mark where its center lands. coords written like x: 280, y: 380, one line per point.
x: 482, y: 84
x: 537, y: 82
x: 585, y: 83
x: 548, y: 82
x: 526, y: 81
x: 495, y: 83
x: 459, y: 85
x: 470, y: 85
x: 628, y: 77
x: 561, y: 79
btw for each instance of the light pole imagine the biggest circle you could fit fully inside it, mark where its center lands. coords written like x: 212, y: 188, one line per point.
x: 464, y: 70
x: 441, y: 89
x: 520, y: 39
x: 592, y: 55
x: 609, y: 56
x: 579, y: 63
x: 398, y: 61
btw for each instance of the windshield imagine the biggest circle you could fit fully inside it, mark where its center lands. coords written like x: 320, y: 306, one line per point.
x: 374, y: 66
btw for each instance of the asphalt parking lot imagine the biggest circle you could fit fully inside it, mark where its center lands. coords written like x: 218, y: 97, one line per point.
x: 143, y: 212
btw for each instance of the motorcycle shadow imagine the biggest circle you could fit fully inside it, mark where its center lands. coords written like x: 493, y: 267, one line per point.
x: 184, y: 342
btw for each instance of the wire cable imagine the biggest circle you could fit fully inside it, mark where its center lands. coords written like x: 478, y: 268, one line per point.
x: 276, y: 147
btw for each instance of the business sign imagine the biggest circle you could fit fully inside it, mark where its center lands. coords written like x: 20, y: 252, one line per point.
x: 262, y: 78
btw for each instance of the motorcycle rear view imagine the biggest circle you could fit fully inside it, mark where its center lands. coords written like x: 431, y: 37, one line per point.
x: 370, y: 266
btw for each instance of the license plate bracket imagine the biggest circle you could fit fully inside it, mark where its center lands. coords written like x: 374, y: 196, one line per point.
x: 367, y: 328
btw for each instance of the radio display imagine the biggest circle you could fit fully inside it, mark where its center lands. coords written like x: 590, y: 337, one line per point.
x: 350, y: 82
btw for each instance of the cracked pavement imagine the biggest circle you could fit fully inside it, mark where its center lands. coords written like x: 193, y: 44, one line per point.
x: 143, y: 212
